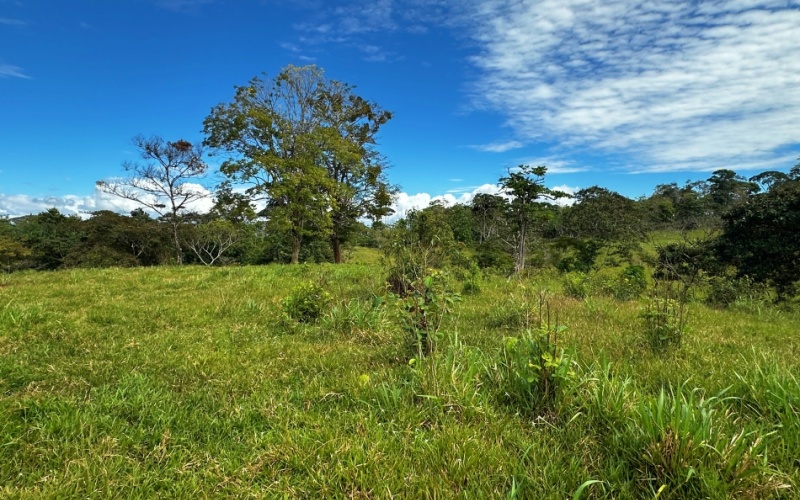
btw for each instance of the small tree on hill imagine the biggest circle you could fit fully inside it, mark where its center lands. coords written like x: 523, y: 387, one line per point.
x: 526, y: 187
x: 162, y: 181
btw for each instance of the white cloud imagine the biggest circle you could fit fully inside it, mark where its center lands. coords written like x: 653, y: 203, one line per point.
x: 404, y: 202
x: 12, y: 22
x: 570, y: 190
x: 498, y: 147
x: 21, y: 204
x: 7, y: 70
x: 676, y: 86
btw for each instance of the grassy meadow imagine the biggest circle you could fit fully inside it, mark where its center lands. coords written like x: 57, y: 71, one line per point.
x: 193, y: 382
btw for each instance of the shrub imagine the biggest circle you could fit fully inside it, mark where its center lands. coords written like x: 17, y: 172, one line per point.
x: 428, y: 301
x: 725, y: 291
x: 532, y: 371
x: 494, y: 258
x: 472, y: 281
x: 306, y: 302
x: 664, y: 322
x: 577, y: 285
x: 630, y: 284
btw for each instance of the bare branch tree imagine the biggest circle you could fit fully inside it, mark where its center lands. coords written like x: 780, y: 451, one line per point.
x: 210, y: 240
x: 161, y: 181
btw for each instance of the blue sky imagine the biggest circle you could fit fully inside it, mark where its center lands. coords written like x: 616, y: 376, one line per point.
x: 624, y: 94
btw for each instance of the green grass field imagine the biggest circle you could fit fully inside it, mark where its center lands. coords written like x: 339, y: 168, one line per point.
x: 192, y: 382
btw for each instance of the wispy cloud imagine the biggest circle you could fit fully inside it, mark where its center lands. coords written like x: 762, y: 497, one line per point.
x: 363, y: 26
x: 12, y: 22
x: 7, y: 70
x: 497, y: 147
x: 556, y: 165
x: 361, y: 17
x: 674, y: 85
x: 183, y: 5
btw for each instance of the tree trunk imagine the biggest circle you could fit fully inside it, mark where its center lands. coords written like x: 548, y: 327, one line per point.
x: 337, y: 249
x: 178, y: 249
x: 295, y: 249
x: 519, y: 265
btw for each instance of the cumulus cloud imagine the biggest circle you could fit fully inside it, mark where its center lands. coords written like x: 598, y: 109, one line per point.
x: 404, y: 202
x: 675, y: 85
x: 83, y: 205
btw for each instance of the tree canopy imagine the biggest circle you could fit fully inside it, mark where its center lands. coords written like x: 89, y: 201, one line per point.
x: 306, y: 145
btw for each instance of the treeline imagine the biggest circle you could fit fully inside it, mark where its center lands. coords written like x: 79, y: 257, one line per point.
x: 740, y: 228
x: 52, y: 240
x: 729, y: 228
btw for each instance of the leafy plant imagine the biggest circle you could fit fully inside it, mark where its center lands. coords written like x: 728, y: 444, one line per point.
x: 306, y: 302
x: 724, y: 291
x: 428, y: 301
x: 577, y: 285
x: 472, y: 282
x: 533, y: 371
x: 630, y: 284
x: 664, y: 322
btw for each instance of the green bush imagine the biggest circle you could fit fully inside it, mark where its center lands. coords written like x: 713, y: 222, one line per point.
x: 424, y: 308
x: 472, y: 280
x: 664, y: 322
x: 495, y: 259
x: 630, y: 284
x: 724, y: 291
x: 577, y: 285
x: 532, y: 372
x: 306, y: 302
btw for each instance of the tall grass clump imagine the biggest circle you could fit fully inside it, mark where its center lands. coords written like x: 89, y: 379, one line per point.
x: 678, y: 443
x: 770, y: 396
x: 357, y: 319
x: 665, y: 317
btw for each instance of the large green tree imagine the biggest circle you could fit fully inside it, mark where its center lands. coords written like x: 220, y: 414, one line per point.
x: 726, y: 189
x: 350, y: 124
x: 304, y: 144
x: 760, y: 237
x: 51, y: 236
x: 604, y: 215
x: 270, y: 136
